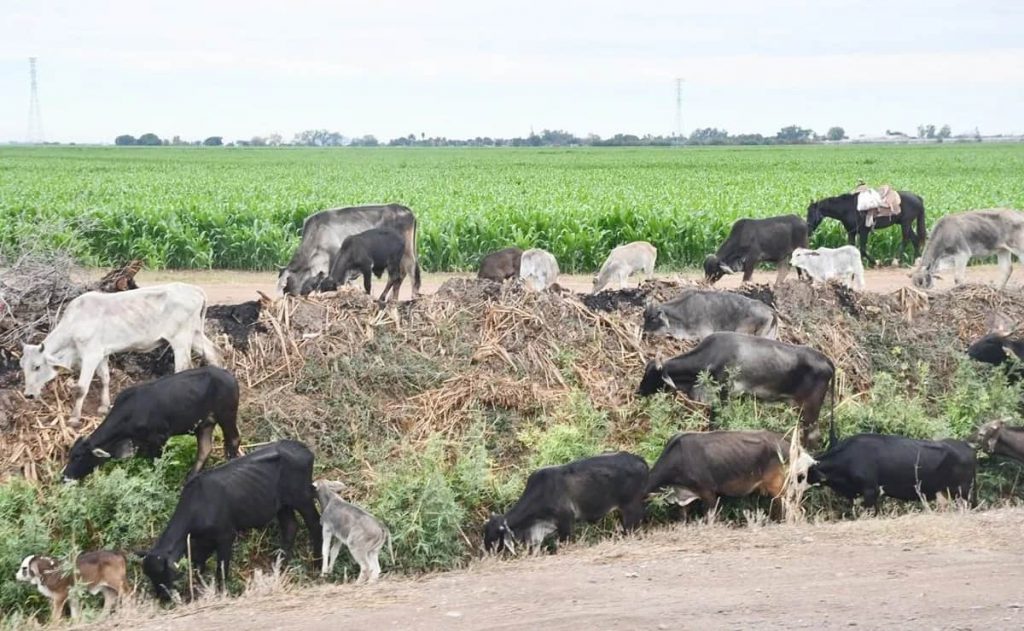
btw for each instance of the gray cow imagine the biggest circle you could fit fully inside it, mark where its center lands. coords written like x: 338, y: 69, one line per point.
x: 697, y: 314
x: 324, y: 232
x: 959, y: 238
x: 344, y: 523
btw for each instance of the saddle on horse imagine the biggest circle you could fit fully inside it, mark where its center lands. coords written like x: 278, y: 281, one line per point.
x: 883, y: 201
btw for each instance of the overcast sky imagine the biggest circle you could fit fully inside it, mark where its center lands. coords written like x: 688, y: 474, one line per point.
x: 463, y: 68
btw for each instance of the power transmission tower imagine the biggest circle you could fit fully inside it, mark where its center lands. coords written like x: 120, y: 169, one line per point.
x: 679, y: 109
x: 35, y: 116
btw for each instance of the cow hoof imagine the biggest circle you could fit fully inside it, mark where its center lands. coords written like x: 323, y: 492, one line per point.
x: 74, y: 423
x: 102, y: 410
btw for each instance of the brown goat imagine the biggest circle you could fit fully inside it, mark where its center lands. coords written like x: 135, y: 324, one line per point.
x: 101, y: 570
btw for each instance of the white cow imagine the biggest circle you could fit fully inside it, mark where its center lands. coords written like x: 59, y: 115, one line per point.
x: 824, y: 264
x: 96, y: 325
x: 538, y: 269
x: 624, y: 261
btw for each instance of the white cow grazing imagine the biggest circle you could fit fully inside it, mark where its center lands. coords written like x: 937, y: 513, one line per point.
x: 95, y: 325
x: 358, y: 530
x: 824, y: 264
x: 538, y: 269
x: 624, y: 261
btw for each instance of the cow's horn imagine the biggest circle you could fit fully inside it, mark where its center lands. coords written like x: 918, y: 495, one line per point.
x: 668, y: 381
x: 99, y: 453
x: 725, y: 268
x: 42, y: 347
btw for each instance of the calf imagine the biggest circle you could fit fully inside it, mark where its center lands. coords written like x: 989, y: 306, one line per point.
x: 146, y: 415
x: 870, y: 465
x: 825, y: 264
x: 960, y: 237
x: 555, y: 497
x: 373, y: 251
x: 998, y: 438
x: 752, y: 241
x: 538, y: 269
x: 96, y: 325
x: 344, y: 523
x: 501, y: 265
x: 99, y: 571
x: 623, y: 262
x: 248, y: 492
x: 768, y: 369
x: 998, y: 346
x: 707, y: 465
x: 697, y: 314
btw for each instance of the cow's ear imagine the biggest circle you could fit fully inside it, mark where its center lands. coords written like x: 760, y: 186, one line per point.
x: 100, y: 453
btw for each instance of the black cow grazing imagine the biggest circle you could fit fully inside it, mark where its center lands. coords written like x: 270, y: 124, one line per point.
x: 555, y: 497
x: 707, y: 465
x: 998, y: 346
x: 375, y: 250
x: 752, y: 241
x: 501, y: 265
x: 1000, y: 439
x: 145, y: 416
x: 216, y: 505
x: 871, y: 465
x: 768, y: 369
x: 844, y: 208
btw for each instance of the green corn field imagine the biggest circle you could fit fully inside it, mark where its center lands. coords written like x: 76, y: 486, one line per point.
x: 243, y: 208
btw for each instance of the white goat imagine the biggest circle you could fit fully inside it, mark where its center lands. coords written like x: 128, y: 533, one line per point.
x: 344, y: 523
x: 824, y: 264
x: 624, y: 261
x: 538, y: 269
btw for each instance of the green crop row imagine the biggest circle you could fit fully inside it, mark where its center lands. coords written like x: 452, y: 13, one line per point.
x: 243, y: 208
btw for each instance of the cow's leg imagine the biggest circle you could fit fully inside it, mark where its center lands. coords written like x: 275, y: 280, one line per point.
x: 332, y: 554
x: 227, y: 418
x: 851, y: 237
x: 872, y: 497
x: 289, y: 526
x: 109, y: 598
x: 360, y: 556
x: 710, y: 501
x: 373, y: 558
x: 632, y: 514
x: 366, y: 280
x: 204, y: 447
x: 57, y: 607
x: 182, y: 349
x: 960, y: 268
x: 224, y: 560
x: 863, y: 238
x: 103, y: 368
x: 1005, y: 260
x: 89, y: 365
x: 325, y: 550
x: 783, y: 271
x: 748, y: 268
x: 565, y: 525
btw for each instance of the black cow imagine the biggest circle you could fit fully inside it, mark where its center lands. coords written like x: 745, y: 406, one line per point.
x: 996, y: 348
x: 871, y: 465
x: 706, y: 465
x: 768, y: 369
x: 752, y: 241
x: 555, y: 497
x: 372, y: 251
x: 145, y: 416
x: 501, y: 265
x: 216, y: 505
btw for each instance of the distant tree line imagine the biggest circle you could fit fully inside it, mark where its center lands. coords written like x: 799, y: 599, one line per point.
x: 790, y: 135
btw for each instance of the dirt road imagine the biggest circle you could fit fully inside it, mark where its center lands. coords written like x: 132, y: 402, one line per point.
x: 925, y: 571
x: 231, y: 287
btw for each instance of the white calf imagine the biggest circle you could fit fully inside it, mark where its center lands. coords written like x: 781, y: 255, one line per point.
x: 358, y: 530
x: 824, y: 264
x: 624, y: 261
x: 538, y: 269
x: 96, y: 325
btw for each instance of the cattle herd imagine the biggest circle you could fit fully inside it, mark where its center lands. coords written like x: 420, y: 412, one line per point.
x: 736, y: 349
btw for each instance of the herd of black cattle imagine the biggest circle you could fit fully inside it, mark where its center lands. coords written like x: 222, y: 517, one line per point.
x: 276, y: 481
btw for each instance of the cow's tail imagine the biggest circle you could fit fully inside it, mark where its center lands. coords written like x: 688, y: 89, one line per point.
x: 413, y: 253
x: 832, y: 437
x: 391, y: 547
x: 922, y: 230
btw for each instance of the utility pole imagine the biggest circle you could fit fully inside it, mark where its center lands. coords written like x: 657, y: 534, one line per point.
x: 35, y: 116
x: 679, y: 110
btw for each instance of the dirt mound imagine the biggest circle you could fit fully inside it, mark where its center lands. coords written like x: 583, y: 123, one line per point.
x: 237, y: 322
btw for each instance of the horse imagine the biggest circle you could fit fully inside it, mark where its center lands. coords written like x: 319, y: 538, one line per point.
x: 844, y: 208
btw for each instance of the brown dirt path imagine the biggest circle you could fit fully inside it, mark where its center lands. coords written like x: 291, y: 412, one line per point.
x: 231, y: 287
x: 923, y: 571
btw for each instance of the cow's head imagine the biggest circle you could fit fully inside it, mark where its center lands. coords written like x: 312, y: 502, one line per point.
x: 39, y: 367
x: 498, y: 535
x: 291, y: 281
x: 655, y: 379
x: 714, y: 269
x: 161, y: 573
x: 83, y: 458
x: 802, y: 257
x: 922, y: 276
x: 988, y: 435
x: 655, y: 320
x: 814, y: 217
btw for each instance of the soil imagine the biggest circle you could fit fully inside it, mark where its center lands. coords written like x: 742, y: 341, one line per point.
x: 948, y: 570
x: 232, y: 287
